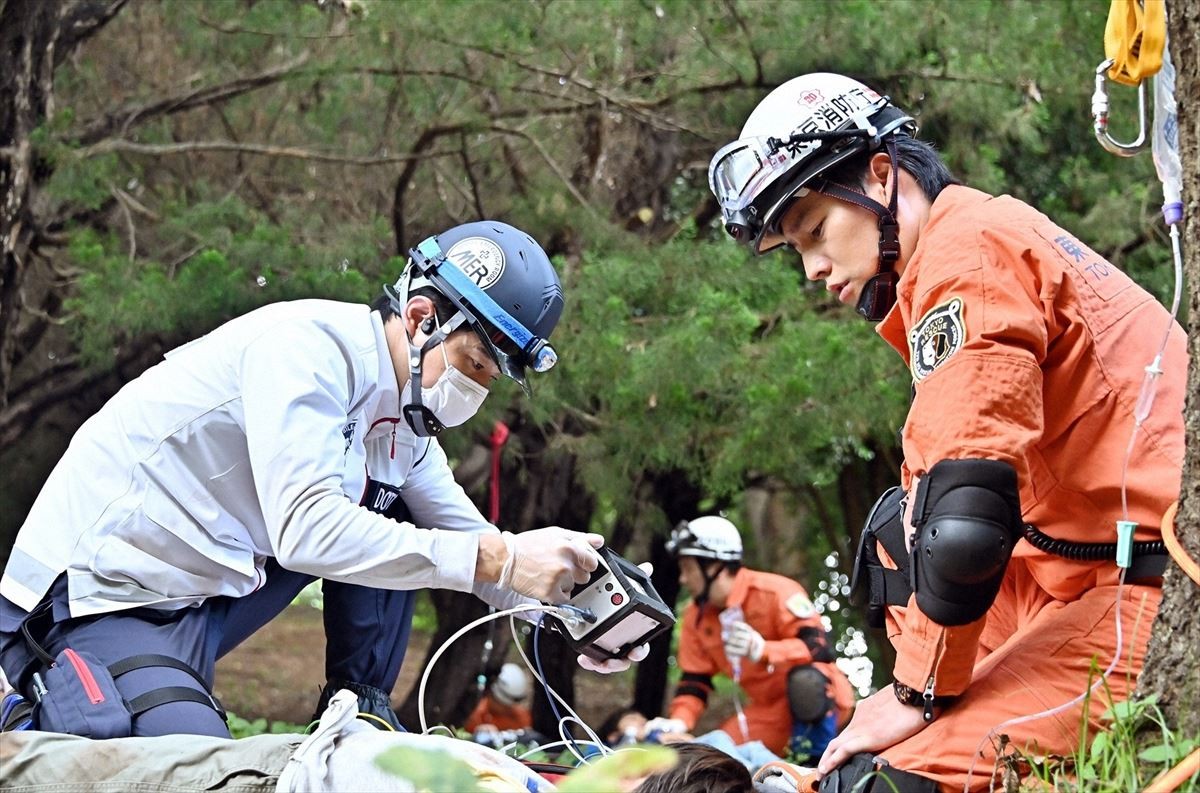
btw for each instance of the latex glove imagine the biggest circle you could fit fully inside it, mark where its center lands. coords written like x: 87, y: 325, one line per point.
x: 546, y: 564
x: 610, y: 665
x: 780, y: 777
x: 664, y: 725
x: 744, y: 641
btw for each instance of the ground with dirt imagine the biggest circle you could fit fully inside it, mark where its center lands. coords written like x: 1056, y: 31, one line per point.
x: 278, y: 673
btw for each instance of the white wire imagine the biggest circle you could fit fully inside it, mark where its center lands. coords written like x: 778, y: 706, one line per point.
x: 443, y: 727
x: 511, y: 613
x: 595, y: 739
x: 1142, y: 409
x: 567, y: 744
x: 458, y: 634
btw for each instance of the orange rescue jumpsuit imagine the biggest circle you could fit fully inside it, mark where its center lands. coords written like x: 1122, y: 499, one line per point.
x: 780, y: 610
x: 1027, y: 347
x: 501, y: 716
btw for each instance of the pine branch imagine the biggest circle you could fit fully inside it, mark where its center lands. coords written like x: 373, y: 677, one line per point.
x: 119, y: 121
x: 261, y: 149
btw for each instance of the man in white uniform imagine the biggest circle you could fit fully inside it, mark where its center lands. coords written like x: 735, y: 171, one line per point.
x: 293, y: 443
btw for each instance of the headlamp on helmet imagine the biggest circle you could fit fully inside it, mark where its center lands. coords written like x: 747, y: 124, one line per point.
x: 511, y: 344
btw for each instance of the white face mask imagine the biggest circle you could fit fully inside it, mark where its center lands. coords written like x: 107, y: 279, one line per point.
x: 454, y: 398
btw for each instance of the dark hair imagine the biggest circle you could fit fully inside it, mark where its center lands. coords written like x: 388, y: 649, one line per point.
x: 442, y: 307
x: 699, y: 769
x: 920, y: 159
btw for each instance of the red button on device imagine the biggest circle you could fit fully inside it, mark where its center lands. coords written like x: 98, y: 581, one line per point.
x: 617, y: 599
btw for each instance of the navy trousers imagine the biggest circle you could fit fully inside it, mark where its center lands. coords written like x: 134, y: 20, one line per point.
x: 366, y: 634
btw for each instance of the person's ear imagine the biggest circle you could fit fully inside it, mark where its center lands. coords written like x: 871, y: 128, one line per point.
x: 417, y: 312
x: 880, y: 173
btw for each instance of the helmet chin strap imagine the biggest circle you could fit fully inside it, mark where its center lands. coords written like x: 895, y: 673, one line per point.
x: 702, y: 599
x: 419, y: 418
x: 879, y: 293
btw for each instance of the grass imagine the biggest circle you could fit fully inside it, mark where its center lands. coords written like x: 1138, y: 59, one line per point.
x: 1133, y: 747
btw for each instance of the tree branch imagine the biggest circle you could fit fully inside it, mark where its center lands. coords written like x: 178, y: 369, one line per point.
x: 470, y: 171
x: 123, y: 118
x: 550, y: 161
x: 741, y: 23
x: 265, y: 150
x: 20, y: 414
x: 81, y: 21
x: 234, y: 31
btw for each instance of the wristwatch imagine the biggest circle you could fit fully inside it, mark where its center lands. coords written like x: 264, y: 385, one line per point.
x: 925, y: 700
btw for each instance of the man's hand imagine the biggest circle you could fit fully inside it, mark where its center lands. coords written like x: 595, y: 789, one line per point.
x: 610, y: 665
x: 546, y: 564
x: 743, y: 641
x: 880, y: 721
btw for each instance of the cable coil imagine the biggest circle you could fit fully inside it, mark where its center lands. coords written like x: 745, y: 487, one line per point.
x: 1087, y: 551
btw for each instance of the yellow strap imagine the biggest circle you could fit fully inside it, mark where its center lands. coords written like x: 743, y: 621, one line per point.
x: 1134, y: 39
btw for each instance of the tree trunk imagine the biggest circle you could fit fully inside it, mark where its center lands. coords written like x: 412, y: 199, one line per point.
x: 35, y: 36
x: 1173, y: 660
x: 679, y: 499
x: 452, y: 691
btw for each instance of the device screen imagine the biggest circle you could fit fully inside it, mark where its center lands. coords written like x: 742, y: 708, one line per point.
x: 627, y: 631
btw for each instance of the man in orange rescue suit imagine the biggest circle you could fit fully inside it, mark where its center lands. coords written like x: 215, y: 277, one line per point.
x: 761, y: 630
x: 1027, y: 352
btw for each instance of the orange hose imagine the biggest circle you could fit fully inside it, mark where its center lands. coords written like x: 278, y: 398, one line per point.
x: 1169, y: 780
x: 1178, y: 554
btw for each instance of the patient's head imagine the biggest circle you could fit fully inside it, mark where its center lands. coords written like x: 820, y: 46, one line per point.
x: 700, y: 769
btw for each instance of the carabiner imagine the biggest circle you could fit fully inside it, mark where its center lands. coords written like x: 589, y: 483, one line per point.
x: 1100, y: 116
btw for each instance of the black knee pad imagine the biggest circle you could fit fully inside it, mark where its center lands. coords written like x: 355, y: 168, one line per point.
x: 968, y: 519
x: 808, y: 694
x: 864, y: 773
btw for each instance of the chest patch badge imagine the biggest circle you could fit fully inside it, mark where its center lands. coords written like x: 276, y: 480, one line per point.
x: 801, y: 606
x: 938, y: 335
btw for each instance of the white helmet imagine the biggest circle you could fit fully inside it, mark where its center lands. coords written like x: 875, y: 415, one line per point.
x: 797, y: 133
x: 511, y: 685
x: 709, y: 537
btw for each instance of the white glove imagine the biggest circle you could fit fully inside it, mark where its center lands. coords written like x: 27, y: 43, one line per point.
x: 744, y: 641
x: 662, y: 724
x: 546, y: 564
x: 610, y: 665
x: 778, y: 776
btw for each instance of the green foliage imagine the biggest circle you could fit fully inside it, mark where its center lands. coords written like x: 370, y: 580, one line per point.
x: 1134, y: 745
x: 243, y: 728
x: 428, y: 769
x: 238, y: 261
x: 702, y: 364
x: 615, y: 771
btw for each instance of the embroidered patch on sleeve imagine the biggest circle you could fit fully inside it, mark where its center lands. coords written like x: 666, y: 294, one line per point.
x: 938, y: 335
x: 800, y: 605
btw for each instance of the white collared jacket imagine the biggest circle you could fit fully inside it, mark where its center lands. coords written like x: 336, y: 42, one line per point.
x: 276, y: 435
